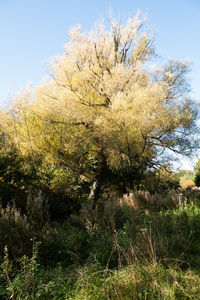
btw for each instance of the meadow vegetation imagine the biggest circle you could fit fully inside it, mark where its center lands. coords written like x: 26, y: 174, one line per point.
x: 142, y: 246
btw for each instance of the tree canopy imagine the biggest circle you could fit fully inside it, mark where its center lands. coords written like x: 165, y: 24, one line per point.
x: 104, y: 112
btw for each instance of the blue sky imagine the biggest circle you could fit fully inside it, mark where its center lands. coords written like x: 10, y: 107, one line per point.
x: 32, y: 31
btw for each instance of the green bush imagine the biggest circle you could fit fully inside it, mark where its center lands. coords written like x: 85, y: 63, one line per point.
x: 197, y: 177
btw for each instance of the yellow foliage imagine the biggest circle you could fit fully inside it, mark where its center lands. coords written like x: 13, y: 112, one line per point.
x: 187, y: 183
x: 103, y: 101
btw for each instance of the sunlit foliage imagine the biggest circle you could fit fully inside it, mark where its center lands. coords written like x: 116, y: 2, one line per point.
x: 103, y: 110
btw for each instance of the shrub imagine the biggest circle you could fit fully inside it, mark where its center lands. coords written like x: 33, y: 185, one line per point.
x: 187, y: 183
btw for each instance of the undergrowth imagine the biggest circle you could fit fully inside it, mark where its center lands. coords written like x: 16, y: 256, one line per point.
x: 140, y: 247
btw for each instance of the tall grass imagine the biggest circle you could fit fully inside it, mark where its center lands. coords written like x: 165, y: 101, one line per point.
x: 142, y: 246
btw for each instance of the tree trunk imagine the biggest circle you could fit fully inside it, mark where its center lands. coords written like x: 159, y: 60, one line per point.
x: 97, y: 184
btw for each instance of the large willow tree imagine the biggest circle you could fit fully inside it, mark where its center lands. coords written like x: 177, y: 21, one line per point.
x: 104, y: 111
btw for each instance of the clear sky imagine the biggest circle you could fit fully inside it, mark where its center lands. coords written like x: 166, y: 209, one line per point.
x: 32, y: 31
